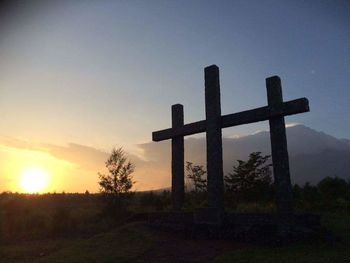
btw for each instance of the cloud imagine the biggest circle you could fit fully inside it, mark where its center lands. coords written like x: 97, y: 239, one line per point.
x: 153, y: 169
x: 83, y: 156
x: 152, y: 172
x: 20, y: 144
x: 292, y: 124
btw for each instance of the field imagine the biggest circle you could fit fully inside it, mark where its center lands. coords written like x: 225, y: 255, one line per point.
x: 73, y: 228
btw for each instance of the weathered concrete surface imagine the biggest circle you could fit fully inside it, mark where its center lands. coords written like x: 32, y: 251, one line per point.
x: 279, y: 149
x: 214, y: 137
x: 177, y: 159
x: 236, y: 119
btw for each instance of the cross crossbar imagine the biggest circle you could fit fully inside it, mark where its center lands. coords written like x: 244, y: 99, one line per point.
x: 244, y: 117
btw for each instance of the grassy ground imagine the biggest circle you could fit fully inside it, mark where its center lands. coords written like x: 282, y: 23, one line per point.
x: 71, y: 228
x: 310, y: 252
x: 135, y: 243
x: 124, y: 244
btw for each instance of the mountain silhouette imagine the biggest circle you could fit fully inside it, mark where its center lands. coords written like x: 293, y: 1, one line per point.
x: 313, y: 155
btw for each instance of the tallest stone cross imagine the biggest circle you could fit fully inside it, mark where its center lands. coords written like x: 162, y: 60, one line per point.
x: 274, y: 112
x: 214, y: 137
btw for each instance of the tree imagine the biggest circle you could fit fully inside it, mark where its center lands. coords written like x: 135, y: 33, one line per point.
x: 333, y: 188
x: 116, y: 185
x: 196, y: 174
x: 250, y: 180
x: 334, y: 193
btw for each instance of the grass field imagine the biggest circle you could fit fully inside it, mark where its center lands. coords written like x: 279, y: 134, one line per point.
x: 317, y: 251
x: 72, y: 228
x: 135, y: 243
x: 119, y: 245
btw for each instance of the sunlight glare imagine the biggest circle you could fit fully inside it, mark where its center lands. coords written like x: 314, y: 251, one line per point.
x: 34, y: 180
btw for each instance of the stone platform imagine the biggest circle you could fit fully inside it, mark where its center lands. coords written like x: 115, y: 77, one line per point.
x: 255, y: 227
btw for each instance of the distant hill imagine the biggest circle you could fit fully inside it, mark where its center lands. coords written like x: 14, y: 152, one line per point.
x: 313, y: 155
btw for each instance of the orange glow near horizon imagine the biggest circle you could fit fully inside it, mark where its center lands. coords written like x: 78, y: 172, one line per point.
x: 29, y: 171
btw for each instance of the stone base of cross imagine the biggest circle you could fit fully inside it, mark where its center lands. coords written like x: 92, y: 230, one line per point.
x: 274, y: 112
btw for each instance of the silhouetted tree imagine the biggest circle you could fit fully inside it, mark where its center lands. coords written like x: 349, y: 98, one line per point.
x: 306, y: 197
x: 310, y: 193
x: 333, y: 188
x: 250, y: 180
x: 196, y: 175
x: 116, y: 185
x: 297, y: 195
x: 334, y: 193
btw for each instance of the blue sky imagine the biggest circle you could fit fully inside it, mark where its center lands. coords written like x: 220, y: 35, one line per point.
x: 105, y: 73
x: 107, y: 64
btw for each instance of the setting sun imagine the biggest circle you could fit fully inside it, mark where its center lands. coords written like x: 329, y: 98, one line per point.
x: 34, y: 180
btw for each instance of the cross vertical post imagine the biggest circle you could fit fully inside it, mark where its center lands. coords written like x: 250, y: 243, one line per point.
x: 177, y: 161
x: 214, y: 137
x: 279, y: 148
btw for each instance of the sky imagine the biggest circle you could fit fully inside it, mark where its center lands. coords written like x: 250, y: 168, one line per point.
x: 78, y: 78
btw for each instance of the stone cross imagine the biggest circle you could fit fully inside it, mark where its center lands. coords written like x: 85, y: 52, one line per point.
x: 274, y: 112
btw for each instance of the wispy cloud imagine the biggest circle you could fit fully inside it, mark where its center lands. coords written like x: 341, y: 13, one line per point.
x: 153, y: 168
x: 292, y: 124
x: 83, y: 156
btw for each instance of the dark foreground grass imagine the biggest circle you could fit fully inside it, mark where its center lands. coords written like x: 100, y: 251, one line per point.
x: 124, y: 244
x: 133, y: 242
x: 317, y: 251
